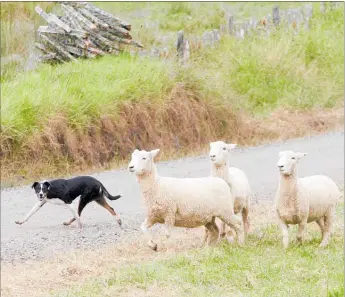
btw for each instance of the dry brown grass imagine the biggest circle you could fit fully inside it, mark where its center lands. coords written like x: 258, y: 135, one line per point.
x: 182, y: 124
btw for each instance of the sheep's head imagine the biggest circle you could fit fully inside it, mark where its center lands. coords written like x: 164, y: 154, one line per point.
x: 288, y: 161
x: 220, y: 152
x: 142, y: 161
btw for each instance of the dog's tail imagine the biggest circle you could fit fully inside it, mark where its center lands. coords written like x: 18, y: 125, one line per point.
x: 104, y: 191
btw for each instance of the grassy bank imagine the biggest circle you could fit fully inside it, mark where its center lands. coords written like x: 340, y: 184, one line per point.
x: 90, y: 113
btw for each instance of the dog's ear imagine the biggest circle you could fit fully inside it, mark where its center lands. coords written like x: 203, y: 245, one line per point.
x: 47, y: 183
x: 34, y: 185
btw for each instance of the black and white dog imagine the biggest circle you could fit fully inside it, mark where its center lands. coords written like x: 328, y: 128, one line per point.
x: 64, y: 191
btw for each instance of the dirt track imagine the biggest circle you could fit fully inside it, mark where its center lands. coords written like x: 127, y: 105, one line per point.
x: 44, y: 235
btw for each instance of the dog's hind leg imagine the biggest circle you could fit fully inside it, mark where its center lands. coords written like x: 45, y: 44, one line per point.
x: 101, y: 201
x: 84, y: 200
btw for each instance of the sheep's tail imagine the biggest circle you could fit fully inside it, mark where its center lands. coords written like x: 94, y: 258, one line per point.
x: 104, y: 191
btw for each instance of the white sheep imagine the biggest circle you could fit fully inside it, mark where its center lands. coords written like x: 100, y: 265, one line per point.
x: 182, y: 202
x: 304, y: 200
x: 219, y: 156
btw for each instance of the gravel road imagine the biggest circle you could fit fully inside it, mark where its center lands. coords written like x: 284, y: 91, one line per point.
x: 44, y: 235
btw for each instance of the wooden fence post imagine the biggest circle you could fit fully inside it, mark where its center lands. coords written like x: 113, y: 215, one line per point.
x: 180, y: 40
x: 231, y: 25
x: 276, y: 18
x: 254, y: 23
x: 216, y: 35
x: 308, y: 10
x: 186, y: 52
x: 183, y: 49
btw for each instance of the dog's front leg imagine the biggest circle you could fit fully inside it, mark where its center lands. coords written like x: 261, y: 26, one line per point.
x: 73, y: 210
x: 36, y: 207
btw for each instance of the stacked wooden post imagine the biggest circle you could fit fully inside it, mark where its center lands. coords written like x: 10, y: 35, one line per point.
x: 84, y: 31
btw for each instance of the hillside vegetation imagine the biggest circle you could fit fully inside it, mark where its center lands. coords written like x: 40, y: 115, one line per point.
x: 92, y: 112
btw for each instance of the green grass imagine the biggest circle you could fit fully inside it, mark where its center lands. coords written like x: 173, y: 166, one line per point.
x: 260, y: 268
x: 83, y: 91
x: 302, y: 71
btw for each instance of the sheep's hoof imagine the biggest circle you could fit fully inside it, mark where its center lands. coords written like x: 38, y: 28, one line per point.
x: 323, y: 244
x: 240, y: 239
x: 152, y: 245
x: 230, y: 239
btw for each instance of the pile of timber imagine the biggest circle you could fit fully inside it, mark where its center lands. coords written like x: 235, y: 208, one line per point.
x: 84, y: 31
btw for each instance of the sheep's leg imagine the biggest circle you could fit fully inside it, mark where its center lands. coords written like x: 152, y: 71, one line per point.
x: 144, y: 228
x: 222, y: 229
x: 206, y: 234
x: 245, y: 218
x: 328, y: 223
x: 301, y: 230
x: 213, y: 232
x: 236, y: 223
x: 227, y: 231
x: 230, y: 234
x: 321, y: 224
x: 169, y: 222
x: 167, y: 228
x: 285, y: 232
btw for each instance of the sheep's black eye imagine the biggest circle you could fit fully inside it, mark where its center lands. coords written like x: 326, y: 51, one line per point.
x: 144, y: 158
x: 224, y: 148
x: 293, y: 158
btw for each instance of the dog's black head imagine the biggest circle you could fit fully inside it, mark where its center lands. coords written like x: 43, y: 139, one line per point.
x: 41, y: 189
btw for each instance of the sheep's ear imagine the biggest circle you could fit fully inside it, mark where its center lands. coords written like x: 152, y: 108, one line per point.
x: 231, y: 146
x: 154, y: 153
x: 300, y: 155
x: 47, y: 183
x: 34, y: 184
